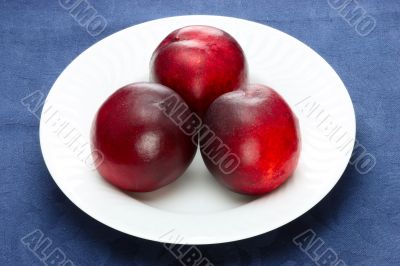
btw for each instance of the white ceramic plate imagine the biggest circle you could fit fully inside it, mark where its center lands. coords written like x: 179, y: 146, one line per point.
x: 195, y: 209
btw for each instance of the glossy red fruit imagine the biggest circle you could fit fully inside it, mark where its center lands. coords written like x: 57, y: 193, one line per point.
x: 200, y: 63
x: 257, y: 126
x: 142, y: 148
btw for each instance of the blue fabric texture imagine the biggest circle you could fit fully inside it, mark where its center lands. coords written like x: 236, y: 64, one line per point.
x: 358, y: 223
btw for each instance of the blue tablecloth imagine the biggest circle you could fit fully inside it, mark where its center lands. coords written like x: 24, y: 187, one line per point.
x: 359, y: 221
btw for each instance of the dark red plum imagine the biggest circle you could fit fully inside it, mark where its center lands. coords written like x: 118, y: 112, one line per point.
x: 200, y: 63
x: 142, y: 148
x: 259, y: 127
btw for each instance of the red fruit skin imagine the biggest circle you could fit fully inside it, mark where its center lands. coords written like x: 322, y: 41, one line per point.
x: 200, y: 63
x: 259, y: 127
x: 142, y: 148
